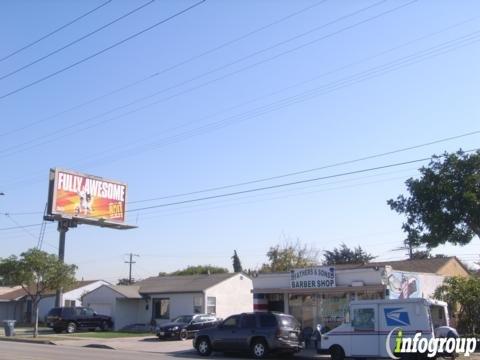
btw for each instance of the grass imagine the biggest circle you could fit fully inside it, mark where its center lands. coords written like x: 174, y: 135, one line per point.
x: 109, y: 334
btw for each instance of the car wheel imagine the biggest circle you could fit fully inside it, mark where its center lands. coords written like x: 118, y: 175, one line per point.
x: 57, y: 330
x: 259, y: 349
x: 71, y: 327
x: 337, y: 353
x: 183, y: 335
x: 203, y: 347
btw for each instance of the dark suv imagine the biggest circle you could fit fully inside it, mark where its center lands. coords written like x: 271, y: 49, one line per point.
x: 185, y: 326
x: 72, y: 318
x: 259, y: 333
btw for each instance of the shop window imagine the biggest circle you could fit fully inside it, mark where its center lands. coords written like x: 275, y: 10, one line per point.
x: 211, y: 305
x: 197, y: 304
x: 161, y: 308
x: 363, y: 319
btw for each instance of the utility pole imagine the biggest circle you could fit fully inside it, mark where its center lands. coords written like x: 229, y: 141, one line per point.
x: 130, y: 262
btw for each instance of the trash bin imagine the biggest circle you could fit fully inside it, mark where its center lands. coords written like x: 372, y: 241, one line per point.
x: 9, y: 327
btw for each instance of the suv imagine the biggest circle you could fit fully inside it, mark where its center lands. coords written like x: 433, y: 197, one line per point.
x: 259, y: 333
x: 72, y: 318
x: 185, y: 326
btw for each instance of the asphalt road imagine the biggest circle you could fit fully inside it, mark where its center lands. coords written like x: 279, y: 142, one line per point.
x: 26, y: 351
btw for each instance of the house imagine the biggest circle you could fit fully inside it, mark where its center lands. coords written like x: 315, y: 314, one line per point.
x: 320, y: 295
x: 15, y: 303
x: 162, y: 298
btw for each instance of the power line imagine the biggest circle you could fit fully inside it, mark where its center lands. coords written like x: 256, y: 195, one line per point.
x: 54, y: 31
x: 76, y: 41
x: 19, y: 227
x: 100, y: 52
x: 286, y: 184
x: 82, y: 122
x: 347, y: 162
x: 184, y: 62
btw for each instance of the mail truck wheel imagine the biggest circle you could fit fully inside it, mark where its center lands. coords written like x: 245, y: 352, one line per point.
x: 337, y: 353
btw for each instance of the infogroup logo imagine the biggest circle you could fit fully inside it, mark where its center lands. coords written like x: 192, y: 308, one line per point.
x: 432, y: 346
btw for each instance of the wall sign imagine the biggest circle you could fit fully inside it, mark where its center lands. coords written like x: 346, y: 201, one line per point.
x: 313, y: 278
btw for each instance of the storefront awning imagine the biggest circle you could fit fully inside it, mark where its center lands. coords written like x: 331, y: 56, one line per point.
x: 333, y: 290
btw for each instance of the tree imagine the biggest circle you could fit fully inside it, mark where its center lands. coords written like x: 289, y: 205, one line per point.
x: 125, y: 281
x: 345, y: 255
x: 444, y: 203
x: 36, y: 272
x: 200, y: 270
x: 237, y: 265
x: 289, y: 256
x: 463, y: 296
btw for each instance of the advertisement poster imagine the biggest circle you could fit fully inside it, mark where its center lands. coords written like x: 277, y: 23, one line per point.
x: 76, y: 195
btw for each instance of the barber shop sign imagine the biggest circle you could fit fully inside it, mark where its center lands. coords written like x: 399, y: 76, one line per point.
x: 313, y: 278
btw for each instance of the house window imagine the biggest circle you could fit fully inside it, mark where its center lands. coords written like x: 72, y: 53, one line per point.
x: 211, y: 305
x: 197, y: 304
x: 161, y: 308
x: 69, y: 303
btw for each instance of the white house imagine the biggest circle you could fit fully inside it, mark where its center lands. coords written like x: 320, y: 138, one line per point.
x: 162, y: 298
x: 16, y: 305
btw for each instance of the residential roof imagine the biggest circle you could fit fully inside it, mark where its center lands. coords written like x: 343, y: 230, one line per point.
x: 433, y: 265
x: 128, y: 291
x: 183, y: 283
x: 17, y: 292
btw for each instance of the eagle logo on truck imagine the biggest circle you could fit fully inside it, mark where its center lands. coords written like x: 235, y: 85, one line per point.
x: 396, y: 317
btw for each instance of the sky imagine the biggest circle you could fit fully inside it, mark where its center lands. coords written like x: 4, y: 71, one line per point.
x: 179, y: 96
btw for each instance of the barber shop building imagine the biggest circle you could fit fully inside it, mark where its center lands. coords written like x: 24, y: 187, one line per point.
x: 320, y: 295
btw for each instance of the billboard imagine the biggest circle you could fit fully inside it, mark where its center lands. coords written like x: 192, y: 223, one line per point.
x: 314, y: 277
x: 86, y: 197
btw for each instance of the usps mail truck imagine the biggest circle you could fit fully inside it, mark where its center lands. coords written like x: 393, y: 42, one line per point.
x: 369, y: 323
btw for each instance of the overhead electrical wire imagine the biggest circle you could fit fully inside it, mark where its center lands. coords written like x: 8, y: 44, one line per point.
x: 5, y: 57
x: 143, y: 98
x: 153, y: 75
x: 76, y: 63
x: 76, y: 41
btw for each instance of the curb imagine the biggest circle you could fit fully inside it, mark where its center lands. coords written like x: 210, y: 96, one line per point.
x: 31, y: 341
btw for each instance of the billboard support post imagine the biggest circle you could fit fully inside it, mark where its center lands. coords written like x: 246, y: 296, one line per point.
x: 63, y: 226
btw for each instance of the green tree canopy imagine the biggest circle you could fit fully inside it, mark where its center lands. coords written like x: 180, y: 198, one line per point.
x: 36, y: 272
x: 443, y: 205
x: 237, y: 265
x: 200, y: 270
x: 289, y: 256
x: 344, y: 255
x: 463, y: 297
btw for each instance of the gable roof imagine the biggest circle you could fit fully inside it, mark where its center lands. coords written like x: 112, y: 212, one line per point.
x: 433, y: 265
x: 183, y: 283
x: 18, y: 292
x: 128, y: 291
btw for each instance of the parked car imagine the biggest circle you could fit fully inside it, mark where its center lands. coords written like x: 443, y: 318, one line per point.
x: 70, y: 319
x: 258, y: 333
x: 185, y: 326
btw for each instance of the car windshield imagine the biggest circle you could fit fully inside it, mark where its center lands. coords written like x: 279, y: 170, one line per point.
x: 184, y: 319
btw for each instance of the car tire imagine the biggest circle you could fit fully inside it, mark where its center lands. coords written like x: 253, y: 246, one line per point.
x: 337, y: 353
x: 259, y: 349
x: 183, y: 335
x: 57, y: 330
x: 71, y: 328
x: 204, y: 348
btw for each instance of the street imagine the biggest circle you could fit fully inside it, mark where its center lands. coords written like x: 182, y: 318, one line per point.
x: 25, y: 351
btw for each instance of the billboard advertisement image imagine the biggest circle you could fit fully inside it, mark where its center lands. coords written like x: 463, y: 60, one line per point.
x: 82, y: 196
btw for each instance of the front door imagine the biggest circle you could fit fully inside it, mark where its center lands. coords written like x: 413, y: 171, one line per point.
x: 365, y: 337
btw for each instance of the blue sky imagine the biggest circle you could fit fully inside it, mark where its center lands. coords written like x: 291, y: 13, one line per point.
x: 228, y: 92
